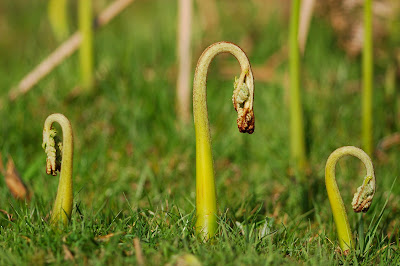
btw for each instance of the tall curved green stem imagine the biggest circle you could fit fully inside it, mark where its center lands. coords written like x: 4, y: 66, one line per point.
x: 297, y: 145
x: 367, y: 79
x: 243, y: 96
x: 362, y: 198
x: 63, y: 205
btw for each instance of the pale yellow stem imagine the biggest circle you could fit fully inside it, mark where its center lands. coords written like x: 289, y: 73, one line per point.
x: 362, y: 199
x: 58, y: 16
x: 206, y: 205
x: 63, y: 205
x: 86, y: 49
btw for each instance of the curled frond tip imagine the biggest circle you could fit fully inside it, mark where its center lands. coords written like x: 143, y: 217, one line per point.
x: 53, y: 148
x: 243, y: 105
x: 363, y: 197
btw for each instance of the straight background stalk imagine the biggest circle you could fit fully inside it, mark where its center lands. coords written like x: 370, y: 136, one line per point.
x: 86, y: 50
x: 58, y: 17
x: 297, y: 146
x: 367, y: 80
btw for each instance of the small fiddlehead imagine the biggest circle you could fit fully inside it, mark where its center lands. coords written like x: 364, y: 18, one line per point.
x: 52, y: 146
x: 362, y: 198
x: 243, y: 96
x: 59, y: 159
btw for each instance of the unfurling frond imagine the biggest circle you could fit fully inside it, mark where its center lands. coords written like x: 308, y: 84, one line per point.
x: 53, y: 148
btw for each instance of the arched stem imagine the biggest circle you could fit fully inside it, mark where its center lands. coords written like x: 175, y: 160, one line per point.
x: 63, y: 205
x: 362, y: 198
x: 243, y: 96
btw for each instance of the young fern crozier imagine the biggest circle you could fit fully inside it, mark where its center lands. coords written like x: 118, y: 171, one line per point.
x: 362, y: 198
x: 59, y: 158
x: 243, y: 96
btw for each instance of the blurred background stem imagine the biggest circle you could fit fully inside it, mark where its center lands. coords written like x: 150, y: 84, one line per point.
x: 57, y: 12
x: 297, y: 146
x: 367, y: 80
x: 184, y: 59
x: 86, y: 50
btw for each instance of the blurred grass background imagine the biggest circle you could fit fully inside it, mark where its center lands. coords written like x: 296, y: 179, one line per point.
x: 134, y: 163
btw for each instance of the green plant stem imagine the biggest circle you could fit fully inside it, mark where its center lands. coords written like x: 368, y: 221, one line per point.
x: 362, y: 199
x: 63, y: 204
x: 86, y: 49
x: 57, y: 12
x: 206, y: 204
x: 367, y: 80
x: 297, y: 145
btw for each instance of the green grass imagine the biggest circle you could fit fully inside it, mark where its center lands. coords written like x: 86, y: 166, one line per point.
x: 134, y: 164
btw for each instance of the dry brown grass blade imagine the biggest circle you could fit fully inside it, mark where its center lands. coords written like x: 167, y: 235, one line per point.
x: 9, y: 216
x: 104, y: 238
x: 107, y: 237
x: 67, y: 253
x: 306, y: 13
x: 14, y: 182
x: 138, y: 252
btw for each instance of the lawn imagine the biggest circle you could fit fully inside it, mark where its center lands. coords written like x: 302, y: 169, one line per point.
x: 134, y: 162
